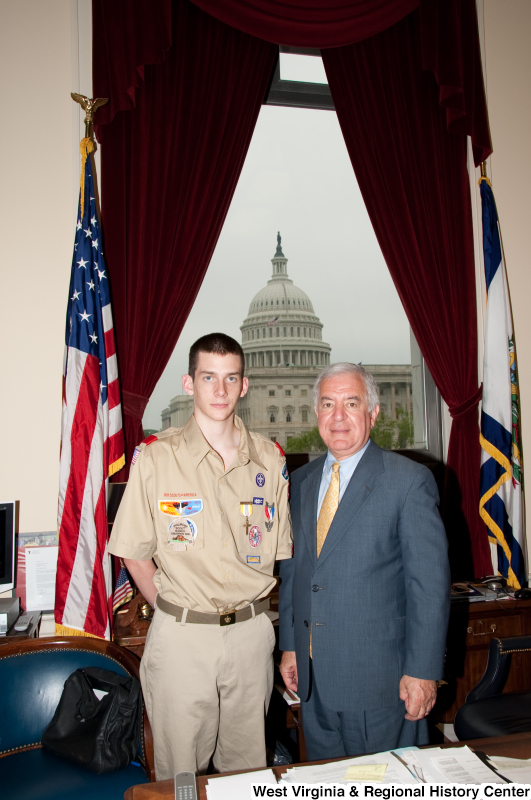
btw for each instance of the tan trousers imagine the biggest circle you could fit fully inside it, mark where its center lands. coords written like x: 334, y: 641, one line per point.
x: 207, y: 690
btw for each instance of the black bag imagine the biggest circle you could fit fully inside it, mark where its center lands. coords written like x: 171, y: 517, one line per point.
x: 101, y: 735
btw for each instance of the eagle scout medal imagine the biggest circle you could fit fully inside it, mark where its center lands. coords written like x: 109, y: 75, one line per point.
x: 255, y: 536
x: 246, y: 507
x: 182, y: 533
x: 260, y: 479
x: 181, y: 508
x: 269, y: 511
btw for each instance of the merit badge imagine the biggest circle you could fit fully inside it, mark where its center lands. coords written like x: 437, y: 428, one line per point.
x: 255, y: 536
x: 181, y: 508
x: 253, y: 559
x: 260, y: 480
x: 269, y: 512
x: 285, y: 472
x: 182, y: 532
x: 258, y: 501
x: 135, y: 456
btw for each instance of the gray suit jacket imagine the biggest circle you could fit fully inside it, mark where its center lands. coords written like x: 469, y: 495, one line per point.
x: 378, y: 597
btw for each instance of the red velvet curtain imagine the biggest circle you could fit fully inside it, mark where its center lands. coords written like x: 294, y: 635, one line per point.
x: 169, y: 170
x: 310, y: 23
x: 128, y: 34
x: 413, y: 176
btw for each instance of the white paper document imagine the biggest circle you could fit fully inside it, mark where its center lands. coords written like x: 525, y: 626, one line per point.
x: 335, y: 771
x: 517, y: 770
x: 41, y: 566
x: 455, y: 765
x: 237, y: 787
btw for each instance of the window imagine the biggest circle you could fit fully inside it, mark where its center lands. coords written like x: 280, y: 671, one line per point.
x: 271, y: 417
x: 288, y: 417
x: 278, y: 331
x: 285, y: 331
x: 287, y: 392
x: 304, y: 415
x: 378, y: 335
x: 271, y: 393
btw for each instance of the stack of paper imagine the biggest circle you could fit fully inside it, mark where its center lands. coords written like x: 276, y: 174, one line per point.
x: 452, y: 765
x: 335, y: 772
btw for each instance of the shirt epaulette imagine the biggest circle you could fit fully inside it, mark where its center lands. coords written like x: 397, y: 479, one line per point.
x: 153, y: 438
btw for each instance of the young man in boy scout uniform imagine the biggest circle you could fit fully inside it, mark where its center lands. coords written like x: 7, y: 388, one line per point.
x: 203, y: 519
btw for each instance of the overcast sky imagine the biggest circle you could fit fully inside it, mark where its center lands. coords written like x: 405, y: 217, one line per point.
x: 297, y: 179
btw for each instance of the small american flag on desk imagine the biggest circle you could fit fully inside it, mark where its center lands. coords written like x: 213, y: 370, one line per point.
x: 92, y: 443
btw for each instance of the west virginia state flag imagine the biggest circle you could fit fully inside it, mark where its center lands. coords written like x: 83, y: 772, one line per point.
x: 501, y: 503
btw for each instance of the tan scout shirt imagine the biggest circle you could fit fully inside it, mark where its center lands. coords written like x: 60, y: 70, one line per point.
x: 214, y: 533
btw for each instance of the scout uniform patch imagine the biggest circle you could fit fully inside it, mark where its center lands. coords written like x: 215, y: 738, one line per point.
x: 253, y: 559
x: 285, y: 472
x: 181, y: 508
x: 260, y: 479
x: 258, y: 501
x: 255, y: 536
x: 269, y: 512
x: 182, y: 533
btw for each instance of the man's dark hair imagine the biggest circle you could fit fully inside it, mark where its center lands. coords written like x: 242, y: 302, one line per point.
x: 218, y: 343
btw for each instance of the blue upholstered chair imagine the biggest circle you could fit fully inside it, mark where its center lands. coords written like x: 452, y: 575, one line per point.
x: 32, y: 676
x: 488, y: 712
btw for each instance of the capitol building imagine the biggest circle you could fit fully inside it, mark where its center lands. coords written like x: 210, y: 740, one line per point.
x: 282, y: 338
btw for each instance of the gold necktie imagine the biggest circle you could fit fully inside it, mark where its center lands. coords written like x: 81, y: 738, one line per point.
x: 328, y: 508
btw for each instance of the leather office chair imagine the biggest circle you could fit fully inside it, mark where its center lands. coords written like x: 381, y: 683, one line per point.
x: 488, y: 712
x: 32, y: 676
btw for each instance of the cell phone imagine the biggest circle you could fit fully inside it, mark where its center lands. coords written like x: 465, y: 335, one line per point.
x: 185, y: 786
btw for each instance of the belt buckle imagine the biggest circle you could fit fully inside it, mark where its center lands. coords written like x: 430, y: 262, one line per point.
x: 227, y: 619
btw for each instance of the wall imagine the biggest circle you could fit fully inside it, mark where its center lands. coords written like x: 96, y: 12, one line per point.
x: 507, y: 27
x: 37, y: 236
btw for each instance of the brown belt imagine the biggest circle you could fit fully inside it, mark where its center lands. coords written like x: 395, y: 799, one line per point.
x: 202, y: 618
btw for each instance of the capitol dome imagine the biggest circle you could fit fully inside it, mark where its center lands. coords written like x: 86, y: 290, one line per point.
x: 281, y: 328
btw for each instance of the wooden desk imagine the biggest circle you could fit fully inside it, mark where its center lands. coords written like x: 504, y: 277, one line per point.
x: 472, y: 626
x: 516, y: 746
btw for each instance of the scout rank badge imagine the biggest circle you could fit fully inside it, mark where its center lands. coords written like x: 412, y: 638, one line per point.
x: 253, y: 532
x: 269, y: 511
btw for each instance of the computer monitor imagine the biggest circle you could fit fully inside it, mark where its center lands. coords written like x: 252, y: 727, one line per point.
x: 7, y: 545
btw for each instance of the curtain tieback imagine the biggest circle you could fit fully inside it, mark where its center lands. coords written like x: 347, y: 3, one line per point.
x: 134, y: 405
x: 462, y: 409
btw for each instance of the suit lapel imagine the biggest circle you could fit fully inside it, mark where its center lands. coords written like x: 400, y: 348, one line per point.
x: 363, y: 483
x: 309, y: 495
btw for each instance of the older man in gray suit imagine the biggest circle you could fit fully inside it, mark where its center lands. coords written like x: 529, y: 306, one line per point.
x: 364, y: 601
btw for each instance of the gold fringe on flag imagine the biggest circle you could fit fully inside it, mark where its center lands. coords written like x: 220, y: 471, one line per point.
x: 86, y: 146
x: 62, y: 630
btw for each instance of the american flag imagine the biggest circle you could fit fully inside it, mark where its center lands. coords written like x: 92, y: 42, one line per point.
x: 123, y: 591
x: 272, y: 321
x: 92, y: 443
